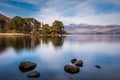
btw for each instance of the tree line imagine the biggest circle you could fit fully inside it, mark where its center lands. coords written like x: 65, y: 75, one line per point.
x: 31, y: 26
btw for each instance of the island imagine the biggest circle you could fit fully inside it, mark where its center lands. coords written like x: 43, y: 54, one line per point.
x: 29, y: 26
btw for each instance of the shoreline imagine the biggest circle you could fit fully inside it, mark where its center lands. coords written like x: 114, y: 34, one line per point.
x: 13, y: 34
x: 22, y: 34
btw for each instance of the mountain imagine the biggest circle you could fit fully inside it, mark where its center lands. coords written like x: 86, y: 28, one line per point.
x: 7, y: 19
x: 92, y: 29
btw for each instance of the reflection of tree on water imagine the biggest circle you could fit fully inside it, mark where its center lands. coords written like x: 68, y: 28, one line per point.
x: 44, y: 39
x: 2, y: 44
x: 28, y: 42
x: 17, y: 42
x: 56, y: 40
x: 34, y: 42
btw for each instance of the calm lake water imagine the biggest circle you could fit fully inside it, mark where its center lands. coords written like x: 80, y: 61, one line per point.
x: 51, y: 54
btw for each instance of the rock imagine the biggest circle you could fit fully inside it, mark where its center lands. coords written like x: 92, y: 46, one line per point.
x: 71, y: 69
x: 97, y: 66
x: 26, y: 66
x: 73, y: 60
x: 78, y: 63
x: 33, y: 74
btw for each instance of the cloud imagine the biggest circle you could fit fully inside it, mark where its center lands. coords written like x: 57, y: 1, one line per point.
x: 116, y: 2
x: 76, y: 12
x: 92, y: 19
x: 104, y: 19
x: 62, y: 10
x: 69, y: 11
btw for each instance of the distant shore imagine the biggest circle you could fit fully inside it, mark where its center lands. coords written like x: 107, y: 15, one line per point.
x: 13, y: 34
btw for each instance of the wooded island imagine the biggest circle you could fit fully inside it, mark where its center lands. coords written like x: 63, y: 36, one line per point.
x: 31, y: 26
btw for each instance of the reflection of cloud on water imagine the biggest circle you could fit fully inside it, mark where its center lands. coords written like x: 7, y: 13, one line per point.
x: 86, y: 49
x: 49, y: 55
x: 8, y: 56
x: 94, y: 38
x: 93, y: 48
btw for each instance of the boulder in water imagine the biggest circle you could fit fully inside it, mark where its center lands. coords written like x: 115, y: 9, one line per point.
x: 26, y: 66
x: 78, y: 63
x: 97, y: 66
x: 33, y: 74
x: 73, y: 60
x: 71, y: 69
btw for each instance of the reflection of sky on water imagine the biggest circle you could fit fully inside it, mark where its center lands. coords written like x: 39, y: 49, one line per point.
x: 50, y: 61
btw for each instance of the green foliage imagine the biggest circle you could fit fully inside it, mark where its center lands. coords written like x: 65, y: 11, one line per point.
x: 35, y: 23
x: 24, y: 25
x: 2, y: 21
x: 57, y: 27
x: 27, y: 25
x: 16, y: 23
x: 2, y: 25
x: 31, y: 25
x: 45, y: 29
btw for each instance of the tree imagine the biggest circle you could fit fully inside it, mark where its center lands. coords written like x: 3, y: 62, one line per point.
x: 35, y: 25
x: 45, y: 29
x: 57, y: 27
x: 17, y: 23
x: 27, y: 25
x: 24, y: 25
x: 2, y: 25
x: 31, y: 25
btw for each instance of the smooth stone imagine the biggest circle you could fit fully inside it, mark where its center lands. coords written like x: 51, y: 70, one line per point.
x: 71, y: 69
x: 33, y: 74
x: 26, y: 66
x: 78, y: 63
x: 97, y: 66
x: 73, y: 60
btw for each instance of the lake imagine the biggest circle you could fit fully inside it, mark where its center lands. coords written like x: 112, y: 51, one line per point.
x: 51, y: 54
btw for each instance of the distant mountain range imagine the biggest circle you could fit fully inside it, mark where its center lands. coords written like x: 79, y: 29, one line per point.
x: 92, y: 29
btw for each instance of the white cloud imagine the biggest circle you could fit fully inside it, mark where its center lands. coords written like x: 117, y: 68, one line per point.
x: 71, y: 11
x: 116, y: 2
x: 95, y: 19
x: 82, y: 12
x: 104, y: 19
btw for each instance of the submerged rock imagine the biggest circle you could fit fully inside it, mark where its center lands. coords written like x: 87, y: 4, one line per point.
x: 26, y: 66
x: 71, y: 69
x: 97, y: 66
x: 33, y: 74
x: 73, y: 60
x: 78, y: 63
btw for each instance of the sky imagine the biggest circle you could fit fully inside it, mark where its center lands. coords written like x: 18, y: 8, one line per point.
x: 99, y: 12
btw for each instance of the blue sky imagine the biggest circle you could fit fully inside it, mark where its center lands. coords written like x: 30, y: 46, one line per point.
x: 69, y: 11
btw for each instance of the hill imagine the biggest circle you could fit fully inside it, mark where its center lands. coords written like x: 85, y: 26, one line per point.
x: 92, y: 29
x: 7, y: 19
